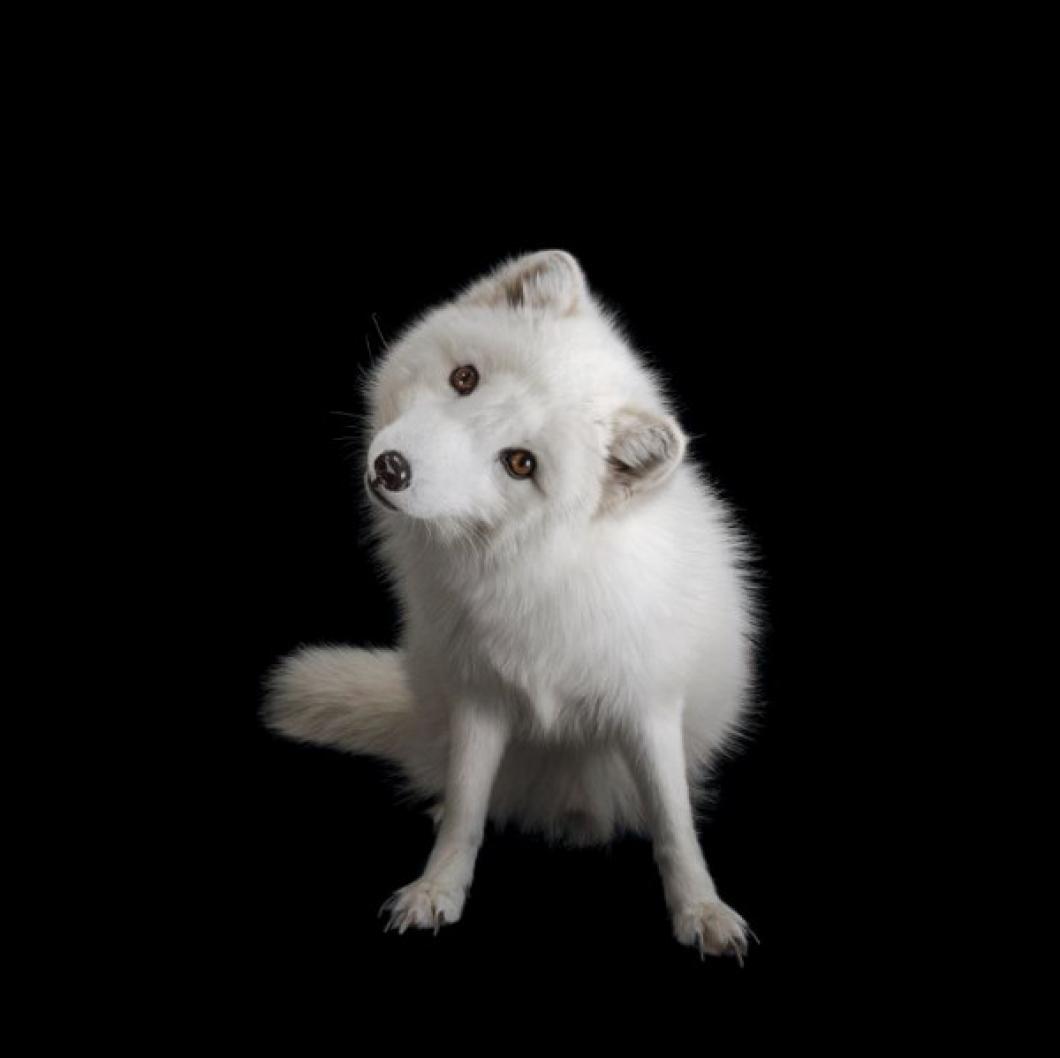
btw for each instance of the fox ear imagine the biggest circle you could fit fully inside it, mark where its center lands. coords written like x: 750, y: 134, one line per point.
x: 645, y: 450
x: 549, y: 281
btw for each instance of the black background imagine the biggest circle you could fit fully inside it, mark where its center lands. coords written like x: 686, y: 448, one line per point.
x: 806, y: 226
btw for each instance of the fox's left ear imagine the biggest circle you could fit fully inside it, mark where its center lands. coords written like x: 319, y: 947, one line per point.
x: 549, y: 281
x: 645, y: 450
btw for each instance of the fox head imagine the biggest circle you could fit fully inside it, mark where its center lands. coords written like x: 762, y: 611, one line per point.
x: 516, y: 404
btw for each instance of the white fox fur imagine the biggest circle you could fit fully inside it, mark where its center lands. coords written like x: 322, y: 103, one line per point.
x: 576, y: 646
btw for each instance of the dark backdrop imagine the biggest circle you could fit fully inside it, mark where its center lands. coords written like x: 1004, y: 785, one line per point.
x: 772, y: 316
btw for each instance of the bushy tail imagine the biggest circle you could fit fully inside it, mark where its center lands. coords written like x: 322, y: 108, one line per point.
x: 351, y: 699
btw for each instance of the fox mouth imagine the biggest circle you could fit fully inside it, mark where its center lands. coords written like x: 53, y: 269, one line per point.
x: 374, y: 491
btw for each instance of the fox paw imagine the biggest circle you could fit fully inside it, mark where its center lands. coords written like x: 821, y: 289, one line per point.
x: 714, y: 929
x: 423, y: 904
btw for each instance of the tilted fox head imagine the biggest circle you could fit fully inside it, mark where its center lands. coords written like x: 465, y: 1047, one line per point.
x: 515, y: 404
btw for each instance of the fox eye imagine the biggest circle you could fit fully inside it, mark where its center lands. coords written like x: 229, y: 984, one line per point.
x: 464, y: 379
x: 519, y: 462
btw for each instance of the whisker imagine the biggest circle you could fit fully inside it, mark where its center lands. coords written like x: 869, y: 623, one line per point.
x: 378, y: 330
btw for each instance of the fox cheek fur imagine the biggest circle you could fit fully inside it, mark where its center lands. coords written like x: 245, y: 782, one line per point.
x: 576, y: 645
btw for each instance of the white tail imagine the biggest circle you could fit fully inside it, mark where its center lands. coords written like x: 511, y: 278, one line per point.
x: 351, y: 699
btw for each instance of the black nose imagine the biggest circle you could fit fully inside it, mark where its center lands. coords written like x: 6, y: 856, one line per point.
x: 392, y: 471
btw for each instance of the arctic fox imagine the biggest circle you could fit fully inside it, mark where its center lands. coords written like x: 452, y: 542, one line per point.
x: 577, y: 627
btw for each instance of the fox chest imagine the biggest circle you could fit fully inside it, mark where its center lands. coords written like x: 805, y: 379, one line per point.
x: 556, y: 661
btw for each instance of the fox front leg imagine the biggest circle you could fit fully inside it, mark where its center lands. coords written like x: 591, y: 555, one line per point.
x: 477, y: 738
x: 655, y: 753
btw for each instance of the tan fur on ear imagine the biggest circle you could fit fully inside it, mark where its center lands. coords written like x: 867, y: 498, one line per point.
x: 645, y: 450
x: 551, y: 281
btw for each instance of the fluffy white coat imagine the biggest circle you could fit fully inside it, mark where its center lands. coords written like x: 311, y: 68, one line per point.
x: 576, y: 645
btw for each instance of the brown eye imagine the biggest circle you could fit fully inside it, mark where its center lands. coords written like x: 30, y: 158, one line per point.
x: 464, y: 380
x: 519, y: 462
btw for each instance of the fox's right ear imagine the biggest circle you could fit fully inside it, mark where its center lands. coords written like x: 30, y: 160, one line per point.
x: 549, y: 281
